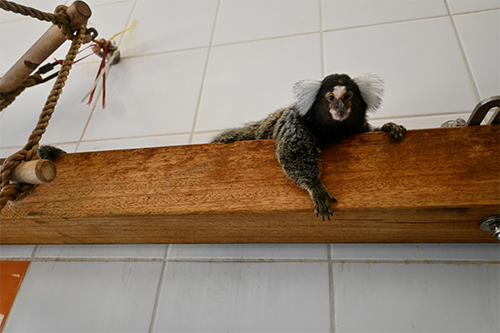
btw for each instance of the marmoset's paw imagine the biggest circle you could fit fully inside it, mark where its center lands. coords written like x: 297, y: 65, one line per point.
x: 396, y: 132
x: 321, y: 200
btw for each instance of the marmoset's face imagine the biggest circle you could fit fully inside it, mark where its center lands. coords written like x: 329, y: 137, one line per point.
x: 339, y: 102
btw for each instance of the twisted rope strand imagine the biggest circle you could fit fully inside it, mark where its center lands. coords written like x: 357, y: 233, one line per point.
x: 7, y: 99
x: 59, y: 18
x: 26, y: 11
x: 30, y: 151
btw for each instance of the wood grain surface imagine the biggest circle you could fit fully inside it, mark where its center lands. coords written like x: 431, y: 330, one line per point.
x: 434, y: 186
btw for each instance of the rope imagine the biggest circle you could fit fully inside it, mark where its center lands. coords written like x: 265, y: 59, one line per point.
x: 11, y: 192
x: 7, y: 99
x: 59, y: 18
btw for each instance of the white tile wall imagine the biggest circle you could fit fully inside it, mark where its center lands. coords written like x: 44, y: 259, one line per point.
x: 348, y: 14
x: 134, y: 109
x: 164, y: 26
x: 101, y: 251
x: 416, y: 298
x: 86, y: 297
x: 190, y: 68
x: 394, y: 252
x: 240, y: 21
x: 243, y: 80
x: 464, y: 6
x: 264, y: 252
x: 395, y: 52
x: 244, y: 297
x: 483, y: 57
x: 20, y: 252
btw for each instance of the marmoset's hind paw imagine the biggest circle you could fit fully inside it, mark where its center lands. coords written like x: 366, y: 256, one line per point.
x: 321, y: 201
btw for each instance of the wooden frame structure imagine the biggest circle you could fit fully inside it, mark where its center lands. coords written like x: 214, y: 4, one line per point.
x: 434, y: 186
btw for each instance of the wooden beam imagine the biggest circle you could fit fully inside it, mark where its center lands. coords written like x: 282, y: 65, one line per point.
x: 434, y: 186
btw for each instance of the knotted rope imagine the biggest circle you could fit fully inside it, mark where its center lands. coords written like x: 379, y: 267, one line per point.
x: 10, y: 192
x: 59, y: 18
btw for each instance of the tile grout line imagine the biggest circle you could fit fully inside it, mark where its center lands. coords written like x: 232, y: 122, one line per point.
x: 261, y: 260
x: 322, y: 40
x: 33, y: 254
x: 386, y: 23
x: 159, y: 290
x: 204, y: 77
x: 128, y: 24
x: 448, y: 114
x: 89, y: 119
x: 99, y: 89
x: 462, y: 52
x: 331, y: 285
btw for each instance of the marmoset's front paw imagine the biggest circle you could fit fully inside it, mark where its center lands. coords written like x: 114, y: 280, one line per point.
x: 396, y: 132
x: 321, y: 200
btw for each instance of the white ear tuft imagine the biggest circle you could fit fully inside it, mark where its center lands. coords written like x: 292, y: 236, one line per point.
x: 372, y: 89
x: 305, y: 92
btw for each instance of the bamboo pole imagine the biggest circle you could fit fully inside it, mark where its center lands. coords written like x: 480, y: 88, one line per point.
x: 79, y: 12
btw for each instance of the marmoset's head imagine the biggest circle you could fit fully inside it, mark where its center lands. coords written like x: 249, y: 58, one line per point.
x: 339, y: 96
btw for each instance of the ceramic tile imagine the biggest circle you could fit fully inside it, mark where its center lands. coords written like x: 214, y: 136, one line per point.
x: 16, y: 251
x: 483, y: 53
x: 345, y: 14
x: 249, y: 251
x: 69, y: 118
x: 28, y: 30
x: 11, y: 276
x: 31, y: 30
x: 86, y: 297
x: 243, y: 20
x: 47, y: 6
x: 416, y: 298
x: 184, y: 24
x: 97, y: 3
x: 203, y: 137
x: 464, y: 6
x: 71, y: 114
x: 6, y: 152
x: 248, y: 81
x: 20, y: 118
x: 414, y: 72
x: 171, y: 140
x: 110, y: 18
x: 419, y: 122
x: 255, y: 297
x: 455, y: 252
x: 141, y: 101
x: 102, y: 251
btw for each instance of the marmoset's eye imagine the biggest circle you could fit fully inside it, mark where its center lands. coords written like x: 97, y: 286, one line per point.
x: 330, y: 97
x: 347, y: 96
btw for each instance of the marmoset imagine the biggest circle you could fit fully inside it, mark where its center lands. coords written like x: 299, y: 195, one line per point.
x: 323, y: 111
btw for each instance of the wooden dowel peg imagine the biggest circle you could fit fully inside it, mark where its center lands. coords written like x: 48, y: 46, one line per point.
x: 79, y: 12
x: 34, y: 172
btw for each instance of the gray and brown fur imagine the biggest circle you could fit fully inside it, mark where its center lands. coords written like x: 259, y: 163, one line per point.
x: 323, y: 111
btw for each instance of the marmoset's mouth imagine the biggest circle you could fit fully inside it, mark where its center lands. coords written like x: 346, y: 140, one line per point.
x: 339, y: 115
